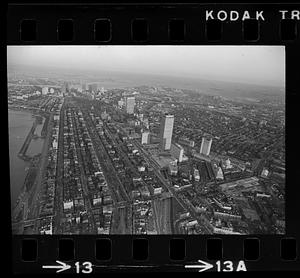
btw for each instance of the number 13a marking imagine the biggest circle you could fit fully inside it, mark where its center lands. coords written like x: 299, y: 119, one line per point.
x: 227, y: 266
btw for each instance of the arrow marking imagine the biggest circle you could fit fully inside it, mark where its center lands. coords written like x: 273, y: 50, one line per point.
x: 61, y: 267
x: 203, y: 266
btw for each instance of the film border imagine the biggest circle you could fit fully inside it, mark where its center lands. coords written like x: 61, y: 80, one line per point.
x: 47, y: 17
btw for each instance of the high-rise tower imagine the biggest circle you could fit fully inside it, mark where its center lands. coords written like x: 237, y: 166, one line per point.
x: 166, y: 131
x: 130, y: 103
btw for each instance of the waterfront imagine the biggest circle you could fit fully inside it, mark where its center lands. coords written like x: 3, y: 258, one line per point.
x: 20, y: 123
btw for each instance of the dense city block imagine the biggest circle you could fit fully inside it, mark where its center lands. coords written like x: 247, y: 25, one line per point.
x: 147, y: 160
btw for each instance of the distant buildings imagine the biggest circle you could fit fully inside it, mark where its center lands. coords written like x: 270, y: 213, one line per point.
x: 130, y: 103
x: 166, y: 131
x: 205, y: 145
x: 83, y: 86
x: 93, y: 87
x: 177, y: 152
x: 65, y: 88
x: 44, y: 90
x: 120, y: 103
x: 102, y: 90
x: 145, y: 137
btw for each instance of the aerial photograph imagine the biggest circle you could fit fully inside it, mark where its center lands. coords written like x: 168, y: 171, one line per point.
x: 147, y: 140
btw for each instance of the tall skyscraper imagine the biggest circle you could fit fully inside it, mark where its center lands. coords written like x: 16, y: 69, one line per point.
x: 63, y: 89
x: 166, y: 131
x: 205, y: 145
x: 130, y: 103
x: 67, y: 87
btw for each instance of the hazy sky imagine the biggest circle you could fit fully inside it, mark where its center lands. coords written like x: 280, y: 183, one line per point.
x: 251, y: 64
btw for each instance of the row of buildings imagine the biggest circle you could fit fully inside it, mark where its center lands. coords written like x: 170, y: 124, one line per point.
x: 82, y: 196
x: 48, y: 186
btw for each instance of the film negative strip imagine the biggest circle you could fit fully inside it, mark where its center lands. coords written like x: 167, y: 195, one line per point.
x: 152, y: 137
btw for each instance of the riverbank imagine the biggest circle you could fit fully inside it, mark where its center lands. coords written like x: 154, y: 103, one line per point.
x: 28, y: 208
x: 22, y: 169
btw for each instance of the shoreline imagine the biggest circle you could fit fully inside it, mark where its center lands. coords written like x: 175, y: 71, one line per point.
x: 32, y: 168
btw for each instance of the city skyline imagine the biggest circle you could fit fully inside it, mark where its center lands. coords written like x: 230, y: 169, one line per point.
x: 260, y: 65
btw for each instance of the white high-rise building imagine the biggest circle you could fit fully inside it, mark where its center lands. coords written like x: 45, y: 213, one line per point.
x: 205, y: 145
x: 130, y: 103
x: 145, y: 137
x: 166, y: 131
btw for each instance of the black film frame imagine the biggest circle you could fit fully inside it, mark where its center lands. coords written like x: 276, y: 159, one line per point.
x: 157, y: 17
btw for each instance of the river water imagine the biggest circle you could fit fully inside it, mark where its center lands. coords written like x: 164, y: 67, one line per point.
x: 20, y: 123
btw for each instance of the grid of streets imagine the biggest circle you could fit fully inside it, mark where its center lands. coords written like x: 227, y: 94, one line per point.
x: 105, y: 169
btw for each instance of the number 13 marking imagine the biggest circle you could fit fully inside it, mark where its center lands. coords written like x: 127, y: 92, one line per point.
x: 87, y: 267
